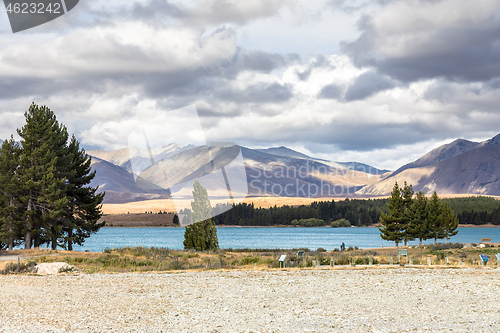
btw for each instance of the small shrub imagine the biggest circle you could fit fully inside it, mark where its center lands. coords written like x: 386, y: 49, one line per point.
x: 12, y: 268
x: 445, y: 246
x: 67, y: 269
x: 107, y: 250
x: 324, y: 261
x: 342, y: 260
x: 320, y: 249
x: 249, y: 260
x: 340, y: 223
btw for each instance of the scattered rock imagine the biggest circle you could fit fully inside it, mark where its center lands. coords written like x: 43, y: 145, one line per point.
x: 51, y: 268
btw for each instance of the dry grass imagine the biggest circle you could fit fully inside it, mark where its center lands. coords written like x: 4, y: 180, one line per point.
x: 142, y: 259
x: 263, y: 202
x: 168, y: 204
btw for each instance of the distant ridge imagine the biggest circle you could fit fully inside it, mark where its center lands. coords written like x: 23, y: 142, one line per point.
x: 460, y: 167
x: 268, y: 172
x: 284, y: 151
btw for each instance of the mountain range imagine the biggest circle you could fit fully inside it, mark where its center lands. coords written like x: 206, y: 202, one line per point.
x: 133, y: 174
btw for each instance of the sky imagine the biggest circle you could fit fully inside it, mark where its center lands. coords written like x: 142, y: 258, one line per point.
x: 374, y: 81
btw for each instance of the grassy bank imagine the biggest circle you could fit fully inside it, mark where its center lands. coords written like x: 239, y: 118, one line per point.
x: 141, y: 259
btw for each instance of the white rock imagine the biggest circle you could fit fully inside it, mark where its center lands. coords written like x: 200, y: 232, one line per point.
x: 50, y: 268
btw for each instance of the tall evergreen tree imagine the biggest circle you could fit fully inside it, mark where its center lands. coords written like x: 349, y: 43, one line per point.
x: 392, y: 224
x: 436, y: 226
x: 55, y: 201
x: 84, y: 205
x: 450, y: 222
x: 201, y: 235
x: 408, y: 216
x: 419, y: 225
x: 43, y: 194
x: 9, y: 193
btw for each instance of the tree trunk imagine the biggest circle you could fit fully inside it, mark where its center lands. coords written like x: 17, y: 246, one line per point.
x: 27, y: 237
x: 37, y: 241
x: 70, y: 241
x: 54, y: 242
x: 11, y: 230
x: 435, y: 241
x: 446, y: 240
x: 420, y: 245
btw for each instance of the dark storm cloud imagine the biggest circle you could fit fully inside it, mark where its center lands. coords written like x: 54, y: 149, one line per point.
x: 202, y: 82
x: 366, y: 85
x: 358, y: 137
x: 23, y: 86
x: 457, y: 53
x: 331, y: 91
x: 258, y: 93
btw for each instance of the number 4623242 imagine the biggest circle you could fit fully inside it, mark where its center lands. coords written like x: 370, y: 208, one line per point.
x: 34, y: 8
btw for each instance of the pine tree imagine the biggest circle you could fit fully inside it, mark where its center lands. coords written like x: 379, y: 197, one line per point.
x: 175, y: 219
x: 392, y: 224
x: 407, y: 201
x: 84, y: 205
x: 43, y: 190
x: 9, y: 193
x: 436, y: 226
x: 59, y: 207
x: 201, y: 235
x: 450, y: 222
x: 419, y: 225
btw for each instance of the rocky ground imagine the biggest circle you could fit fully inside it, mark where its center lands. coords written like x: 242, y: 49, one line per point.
x: 361, y: 300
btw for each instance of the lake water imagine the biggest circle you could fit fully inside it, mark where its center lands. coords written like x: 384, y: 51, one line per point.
x: 265, y: 238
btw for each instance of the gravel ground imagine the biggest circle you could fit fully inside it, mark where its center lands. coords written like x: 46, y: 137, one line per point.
x: 372, y: 300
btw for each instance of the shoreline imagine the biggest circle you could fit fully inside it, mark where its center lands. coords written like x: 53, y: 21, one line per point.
x: 489, y: 225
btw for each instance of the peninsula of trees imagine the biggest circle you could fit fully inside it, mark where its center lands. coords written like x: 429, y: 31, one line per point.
x: 416, y: 217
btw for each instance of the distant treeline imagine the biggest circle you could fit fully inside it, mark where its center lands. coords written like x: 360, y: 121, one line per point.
x: 476, y: 210
x: 359, y: 212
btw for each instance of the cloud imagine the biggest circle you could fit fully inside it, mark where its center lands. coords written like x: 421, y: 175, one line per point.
x: 258, y: 93
x: 319, y: 61
x: 331, y: 91
x: 368, y: 84
x: 420, y: 39
x: 352, y: 6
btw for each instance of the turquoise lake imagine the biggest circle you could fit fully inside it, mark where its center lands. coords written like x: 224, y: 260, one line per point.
x: 265, y: 238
